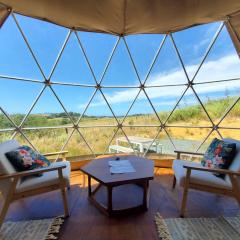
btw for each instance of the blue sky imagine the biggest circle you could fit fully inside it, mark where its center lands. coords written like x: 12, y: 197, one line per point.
x: 46, y: 40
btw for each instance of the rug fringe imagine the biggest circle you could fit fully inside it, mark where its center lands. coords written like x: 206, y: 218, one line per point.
x: 55, y: 227
x: 162, y: 228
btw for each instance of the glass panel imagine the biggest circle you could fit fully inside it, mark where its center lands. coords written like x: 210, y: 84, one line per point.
x: 230, y: 133
x: 46, y: 41
x: 192, y: 44
x: 120, y: 71
x: 75, y: 99
x: 76, y: 146
x: 120, y: 100
x: 164, y: 99
x: 98, y: 138
x: 141, y: 113
x: 143, y: 48
x: 142, y: 138
x: 72, y: 66
x: 189, y: 112
x: 98, y: 113
x: 222, y: 62
x: 218, y: 97
x: 17, y: 97
x: 119, y: 144
x: 16, y: 59
x: 46, y: 140
x: 4, y: 122
x: 232, y: 118
x: 167, y: 68
x: 98, y: 47
x: 188, y: 139
x: 205, y: 145
x: 47, y: 112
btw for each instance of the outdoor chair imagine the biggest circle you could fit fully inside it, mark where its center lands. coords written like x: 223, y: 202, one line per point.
x: 16, y: 185
x: 192, y: 175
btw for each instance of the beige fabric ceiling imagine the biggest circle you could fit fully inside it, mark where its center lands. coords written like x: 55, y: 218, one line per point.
x: 123, y: 17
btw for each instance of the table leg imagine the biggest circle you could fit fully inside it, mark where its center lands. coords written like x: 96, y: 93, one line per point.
x: 109, y: 208
x: 89, y: 186
x: 145, y: 194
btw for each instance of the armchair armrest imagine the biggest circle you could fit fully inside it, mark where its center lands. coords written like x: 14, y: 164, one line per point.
x: 213, y: 170
x: 32, y: 172
x: 179, y: 152
x: 62, y: 153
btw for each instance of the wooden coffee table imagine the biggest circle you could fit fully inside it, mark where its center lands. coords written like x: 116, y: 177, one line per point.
x: 98, y: 169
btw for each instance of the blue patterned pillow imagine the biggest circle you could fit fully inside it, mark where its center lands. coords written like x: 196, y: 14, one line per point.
x: 219, y: 155
x: 25, y: 158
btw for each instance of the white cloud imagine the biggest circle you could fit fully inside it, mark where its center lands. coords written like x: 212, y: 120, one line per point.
x: 222, y: 68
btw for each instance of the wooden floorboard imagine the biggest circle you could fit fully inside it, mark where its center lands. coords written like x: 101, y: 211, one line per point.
x: 87, y: 223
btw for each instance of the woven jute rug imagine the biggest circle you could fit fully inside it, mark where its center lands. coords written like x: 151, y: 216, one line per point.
x: 221, y: 228
x: 43, y: 229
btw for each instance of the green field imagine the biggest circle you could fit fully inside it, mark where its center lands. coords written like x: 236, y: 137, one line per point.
x: 48, y: 140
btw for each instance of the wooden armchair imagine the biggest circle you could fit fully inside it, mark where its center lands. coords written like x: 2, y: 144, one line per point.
x: 192, y: 175
x: 16, y: 185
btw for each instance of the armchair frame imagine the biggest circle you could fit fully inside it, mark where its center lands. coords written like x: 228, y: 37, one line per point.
x: 15, y: 177
x: 233, y: 175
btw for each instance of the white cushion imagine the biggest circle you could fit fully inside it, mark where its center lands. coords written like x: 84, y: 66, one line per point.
x: 5, y: 166
x: 47, y: 179
x: 200, y: 177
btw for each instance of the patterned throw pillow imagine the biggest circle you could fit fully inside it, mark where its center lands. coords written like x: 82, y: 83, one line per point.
x: 219, y: 155
x: 25, y: 158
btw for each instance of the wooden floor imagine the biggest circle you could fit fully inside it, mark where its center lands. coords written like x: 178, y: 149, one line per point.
x: 86, y: 222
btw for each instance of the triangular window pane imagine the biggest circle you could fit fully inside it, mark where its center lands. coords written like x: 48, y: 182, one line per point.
x: 45, y: 39
x: 222, y: 62
x: 119, y: 144
x: 98, y: 138
x: 47, y: 112
x: 16, y: 59
x: 141, y: 113
x: 98, y: 113
x: 74, y: 98
x: 230, y: 133
x: 167, y: 68
x: 120, y: 99
x: 218, y: 97
x: 47, y: 140
x: 120, y: 71
x: 77, y: 147
x: 164, y: 99
x: 17, y: 97
x: 189, y: 112
x: 193, y: 43
x: 141, y: 138
x: 187, y: 139
x: 98, y: 47
x: 231, y: 119
x: 143, y: 48
x: 208, y: 141
x: 72, y: 66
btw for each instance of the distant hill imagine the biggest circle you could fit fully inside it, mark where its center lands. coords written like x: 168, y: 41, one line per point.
x: 215, y: 108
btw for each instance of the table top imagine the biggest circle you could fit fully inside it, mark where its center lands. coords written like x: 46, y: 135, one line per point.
x: 100, y: 170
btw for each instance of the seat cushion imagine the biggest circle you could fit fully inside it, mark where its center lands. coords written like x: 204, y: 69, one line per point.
x: 200, y: 177
x: 47, y: 179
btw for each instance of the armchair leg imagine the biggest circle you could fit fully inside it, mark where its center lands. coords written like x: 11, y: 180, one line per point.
x: 174, y: 182
x: 8, y: 200
x: 63, y: 191
x: 185, y: 193
x: 4, y: 210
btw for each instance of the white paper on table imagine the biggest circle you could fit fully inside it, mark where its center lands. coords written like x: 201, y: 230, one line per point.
x: 121, y: 166
x: 119, y: 163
